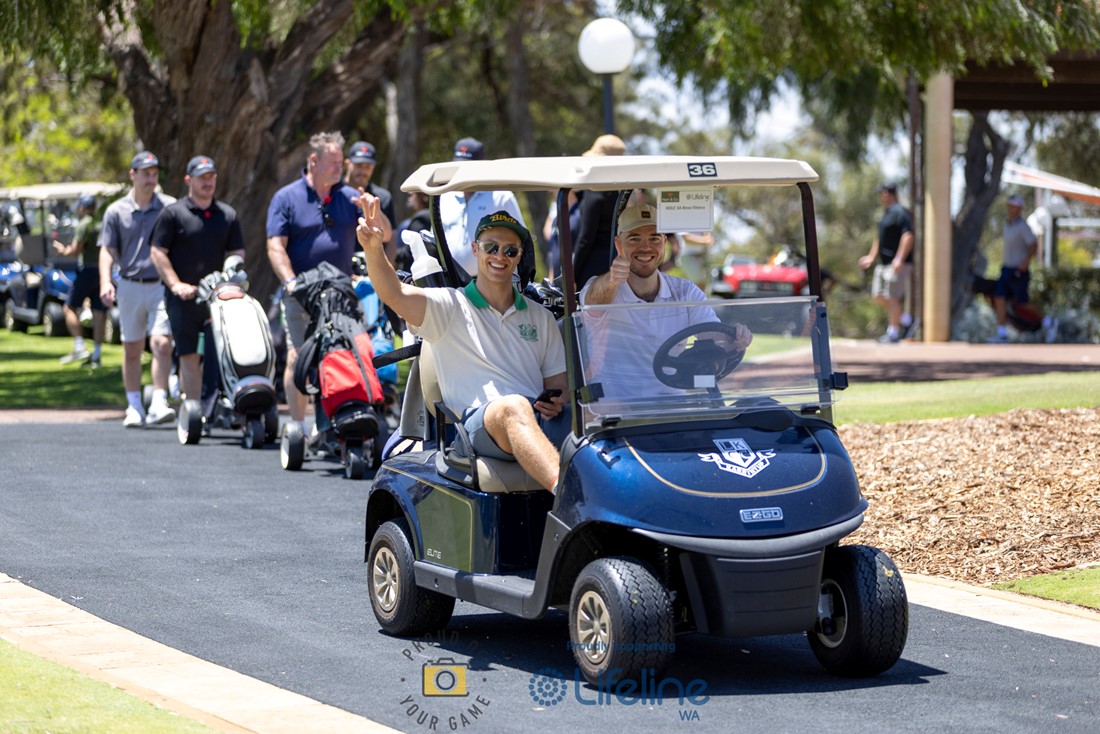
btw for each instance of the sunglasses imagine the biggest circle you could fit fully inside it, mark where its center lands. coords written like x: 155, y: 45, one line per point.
x: 324, y: 213
x: 492, y: 248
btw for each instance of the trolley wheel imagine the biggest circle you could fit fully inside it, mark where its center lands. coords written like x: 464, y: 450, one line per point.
x: 254, y: 433
x: 271, y: 424
x: 189, y: 427
x: 355, y: 464
x: 292, y: 446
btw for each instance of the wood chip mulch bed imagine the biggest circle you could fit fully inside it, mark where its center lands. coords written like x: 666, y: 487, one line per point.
x: 982, y: 499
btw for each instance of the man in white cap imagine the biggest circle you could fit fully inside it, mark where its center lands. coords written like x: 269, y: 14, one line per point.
x: 1020, y: 245
x: 623, y: 343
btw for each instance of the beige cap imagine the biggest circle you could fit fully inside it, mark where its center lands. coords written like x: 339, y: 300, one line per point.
x: 607, y: 145
x: 637, y: 216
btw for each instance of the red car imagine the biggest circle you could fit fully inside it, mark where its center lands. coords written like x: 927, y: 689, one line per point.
x: 739, y: 277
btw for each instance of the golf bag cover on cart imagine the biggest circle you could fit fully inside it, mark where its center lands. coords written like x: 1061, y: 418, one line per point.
x: 336, y: 357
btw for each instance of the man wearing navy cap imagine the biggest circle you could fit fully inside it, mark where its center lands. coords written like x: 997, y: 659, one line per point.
x: 462, y: 210
x: 507, y: 348
x: 892, y: 255
x: 192, y: 238
x: 86, y: 286
x: 124, y: 240
x: 360, y: 163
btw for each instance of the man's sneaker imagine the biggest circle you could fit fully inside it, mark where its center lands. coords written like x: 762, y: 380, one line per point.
x: 76, y: 355
x: 160, y: 414
x: 887, y: 339
x: 93, y: 361
x: 133, y: 418
x: 999, y: 339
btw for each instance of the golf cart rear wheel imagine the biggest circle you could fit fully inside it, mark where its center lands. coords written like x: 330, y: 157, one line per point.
x: 189, y: 428
x: 254, y: 433
x: 112, y: 334
x: 53, y: 320
x: 863, y: 617
x: 292, y: 446
x: 620, y: 616
x: 402, y: 607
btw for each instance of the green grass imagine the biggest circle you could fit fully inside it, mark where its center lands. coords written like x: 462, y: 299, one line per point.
x: 1077, y: 586
x: 40, y: 696
x: 32, y: 377
x: 890, y: 402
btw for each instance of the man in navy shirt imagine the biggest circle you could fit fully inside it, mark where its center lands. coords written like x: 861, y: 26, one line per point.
x: 191, y: 239
x: 310, y: 221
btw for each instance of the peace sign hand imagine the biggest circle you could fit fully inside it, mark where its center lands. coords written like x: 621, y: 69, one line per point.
x: 369, y: 232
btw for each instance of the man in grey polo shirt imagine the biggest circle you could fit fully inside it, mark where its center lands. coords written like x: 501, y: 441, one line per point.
x: 124, y: 241
x: 502, y: 349
x: 1020, y: 245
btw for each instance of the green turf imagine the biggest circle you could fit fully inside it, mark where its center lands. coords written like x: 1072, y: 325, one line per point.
x: 1076, y: 586
x: 32, y: 377
x: 890, y: 402
x: 39, y: 696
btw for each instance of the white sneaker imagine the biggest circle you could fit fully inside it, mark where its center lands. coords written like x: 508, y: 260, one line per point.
x: 133, y: 418
x: 160, y: 414
x: 77, y: 355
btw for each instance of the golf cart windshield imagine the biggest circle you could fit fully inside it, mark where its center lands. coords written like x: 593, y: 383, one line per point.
x: 647, y: 361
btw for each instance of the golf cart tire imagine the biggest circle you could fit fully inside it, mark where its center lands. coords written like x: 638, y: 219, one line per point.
x: 112, y: 333
x: 620, y: 616
x: 292, y: 446
x: 254, y: 432
x: 401, y: 607
x: 11, y: 323
x: 271, y: 424
x: 869, y: 622
x: 53, y: 320
x: 189, y: 428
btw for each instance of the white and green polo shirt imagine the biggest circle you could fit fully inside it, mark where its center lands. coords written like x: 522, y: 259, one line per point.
x: 481, y: 354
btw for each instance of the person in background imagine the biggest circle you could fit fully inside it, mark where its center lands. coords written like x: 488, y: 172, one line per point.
x: 552, y: 235
x: 892, y: 255
x: 191, y: 239
x: 85, y: 245
x: 462, y: 210
x: 310, y: 221
x: 360, y: 164
x: 1020, y: 245
x: 124, y: 240
x: 593, y: 248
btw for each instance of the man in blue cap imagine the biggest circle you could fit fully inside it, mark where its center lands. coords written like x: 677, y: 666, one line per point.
x: 124, y: 239
x: 1020, y: 245
x: 360, y: 164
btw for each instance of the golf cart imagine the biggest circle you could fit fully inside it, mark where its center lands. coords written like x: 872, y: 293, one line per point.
x: 38, y: 282
x: 703, y: 488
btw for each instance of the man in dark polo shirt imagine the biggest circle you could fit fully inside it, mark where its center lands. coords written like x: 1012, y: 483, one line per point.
x: 310, y: 221
x: 191, y: 239
x: 892, y: 256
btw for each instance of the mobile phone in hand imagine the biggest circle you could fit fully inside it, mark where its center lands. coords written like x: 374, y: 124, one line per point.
x: 545, y: 395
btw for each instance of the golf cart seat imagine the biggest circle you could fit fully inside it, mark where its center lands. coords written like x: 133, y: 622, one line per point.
x: 483, y: 474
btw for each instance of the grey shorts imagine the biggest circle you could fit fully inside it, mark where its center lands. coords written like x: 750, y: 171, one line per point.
x: 474, y: 420
x: 141, y: 310
x: 297, y: 322
x: 889, y: 284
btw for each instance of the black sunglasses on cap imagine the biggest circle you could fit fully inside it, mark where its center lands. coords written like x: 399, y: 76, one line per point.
x: 492, y: 248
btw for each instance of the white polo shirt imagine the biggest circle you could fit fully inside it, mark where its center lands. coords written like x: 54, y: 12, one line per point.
x: 622, y: 343
x: 482, y: 354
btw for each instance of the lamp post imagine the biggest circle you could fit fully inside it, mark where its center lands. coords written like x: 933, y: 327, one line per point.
x: 606, y: 47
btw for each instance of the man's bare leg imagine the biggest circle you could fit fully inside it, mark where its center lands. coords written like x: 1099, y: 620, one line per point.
x: 511, y: 423
x: 296, y: 402
x: 161, y: 347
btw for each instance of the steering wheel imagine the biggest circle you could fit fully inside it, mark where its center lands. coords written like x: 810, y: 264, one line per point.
x: 700, y: 349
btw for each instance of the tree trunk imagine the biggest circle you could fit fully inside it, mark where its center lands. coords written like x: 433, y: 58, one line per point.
x: 251, y: 111
x: 405, y: 143
x: 986, y: 151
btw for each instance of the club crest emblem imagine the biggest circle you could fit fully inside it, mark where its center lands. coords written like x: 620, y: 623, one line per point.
x: 735, y: 457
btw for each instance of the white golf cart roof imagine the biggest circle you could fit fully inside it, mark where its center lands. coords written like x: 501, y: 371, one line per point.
x: 607, y: 173
x: 69, y: 190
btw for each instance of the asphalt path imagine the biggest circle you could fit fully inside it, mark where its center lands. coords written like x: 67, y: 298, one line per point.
x: 217, y: 551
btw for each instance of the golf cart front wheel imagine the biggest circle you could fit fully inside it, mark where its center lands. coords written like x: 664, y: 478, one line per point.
x: 53, y: 320
x: 292, y: 446
x: 863, y: 613
x: 189, y: 427
x: 620, y: 617
x: 402, y: 607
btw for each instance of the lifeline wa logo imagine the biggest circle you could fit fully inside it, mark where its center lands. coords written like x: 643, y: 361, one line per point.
x: 548, y: 687
x: 737, y: 458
